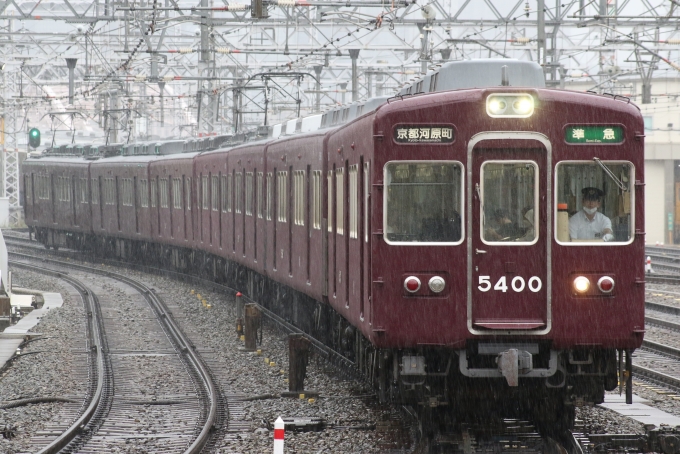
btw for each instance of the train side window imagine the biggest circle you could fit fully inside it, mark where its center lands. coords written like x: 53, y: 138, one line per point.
x: 214, y: 193
x: 316, y: 199
x: 260, y: 207
x: 594, y: 204
x: 143, y: 193
x: 299, y: 197
x: 223, y: 183
x: 177, y: 193
x: 270, y: 189
x: 423, y: 202
x: 94, y: 193
x: 367, y: 194
x: 154, y: 193
x: 187, y: 192
x: 339, y: 200
x: 229, y: 186
x: 249, y: 193
x: 509, y: 194
x: 83, y: 190
x: 354, y: 201
x: 282, y: 192
x: 163, y: 190
x: 238, y: 192
x: 127, y: 192
x: 329, y: 181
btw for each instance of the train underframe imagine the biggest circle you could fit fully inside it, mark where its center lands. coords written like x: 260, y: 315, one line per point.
x: 435, y: 381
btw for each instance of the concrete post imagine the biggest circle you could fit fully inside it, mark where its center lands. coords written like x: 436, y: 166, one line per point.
x: 252, y: 324
x: 298, y: 355
x: 71, y: 63
x: 354, y: 54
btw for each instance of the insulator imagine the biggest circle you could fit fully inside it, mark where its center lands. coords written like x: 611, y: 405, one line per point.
x: 168, y: 78
x: 140, y: 77
x: 223, y: 50
x: 237, y: 6
x: 286, y: 2
x: 522, y: 40
x: 673, y: 41
x: 185, y: 50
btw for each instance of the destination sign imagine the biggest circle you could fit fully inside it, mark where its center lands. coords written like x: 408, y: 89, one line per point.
x: 423, y: 134
x: 594, y: 134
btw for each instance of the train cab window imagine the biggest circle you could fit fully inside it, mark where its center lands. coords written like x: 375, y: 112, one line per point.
x: 423, y: 202
x: 509, y: 195
x: 594, y: 202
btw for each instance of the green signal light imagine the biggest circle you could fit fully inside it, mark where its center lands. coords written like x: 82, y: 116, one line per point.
x: 34, y: 138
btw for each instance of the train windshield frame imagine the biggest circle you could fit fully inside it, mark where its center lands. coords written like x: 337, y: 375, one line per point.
x: 576, y: 178
x: 423, y: 202
x: 509, y: 208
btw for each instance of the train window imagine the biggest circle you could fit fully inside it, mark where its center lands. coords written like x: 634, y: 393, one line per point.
x: 154, y: 193
x: 299, y: 197
x: 260, y: 208
x: 214, y: 193
x: 270, y: 189
x: 594, y: 203
x: 229, y: 191
x: 163, y: 190
x: 282, y: 205
x: 204, y: 192
x: 94, y: 183
x: 316, y: 199
x: 422, y: 202
x: 144, y: 193
x: 354, y: 201
x: 367, y: 193
x: 238, y: 192
x: 509, y: 195
x: 339, y: 201
x: 329, y: 180
x: 187, y: 192
x: 177, y: 193
x: 249, y: 193
x: 224, y: 193
x: 83, y: 190
x: 109, y: 191
x: 127, y: 192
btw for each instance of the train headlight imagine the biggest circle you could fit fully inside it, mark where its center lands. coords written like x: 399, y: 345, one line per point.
x: 412, y: 284
x: 581, y: 284
x: 605, y: 284
x: 509, y: 105
x: 437, y: 284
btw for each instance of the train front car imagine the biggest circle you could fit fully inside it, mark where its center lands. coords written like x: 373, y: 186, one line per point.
x: 507, y: 255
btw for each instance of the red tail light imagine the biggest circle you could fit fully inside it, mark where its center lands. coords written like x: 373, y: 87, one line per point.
x: 412, y: 284
x: 605, y: 284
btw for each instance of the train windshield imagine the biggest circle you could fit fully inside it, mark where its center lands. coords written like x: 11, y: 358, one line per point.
x: 423, y: 202
x: 594, y: 202
x: 509, y: 197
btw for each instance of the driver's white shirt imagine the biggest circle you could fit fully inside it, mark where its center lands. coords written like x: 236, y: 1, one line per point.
x: 582, y: 228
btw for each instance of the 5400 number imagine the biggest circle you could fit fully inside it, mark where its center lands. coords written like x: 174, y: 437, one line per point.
x: 517, y: 284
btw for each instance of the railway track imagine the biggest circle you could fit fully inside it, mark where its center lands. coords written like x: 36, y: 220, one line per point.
x: 121, y: 398
x: 510, y: 436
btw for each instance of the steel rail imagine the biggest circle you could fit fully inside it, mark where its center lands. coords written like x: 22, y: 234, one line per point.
x: 165, y: 317
x: 97, y: 337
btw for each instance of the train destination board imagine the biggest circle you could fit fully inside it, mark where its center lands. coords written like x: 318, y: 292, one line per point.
x: 423, y: 134
x: 594, y: 134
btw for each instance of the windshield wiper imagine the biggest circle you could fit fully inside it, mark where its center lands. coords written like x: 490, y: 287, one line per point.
x: 611, y: 175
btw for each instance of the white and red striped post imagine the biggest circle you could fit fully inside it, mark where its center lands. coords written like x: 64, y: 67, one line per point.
x: 279, y: 432
x: 648, y: 265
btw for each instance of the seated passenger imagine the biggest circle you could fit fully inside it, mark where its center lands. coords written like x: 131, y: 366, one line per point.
x: 530, y: 232
x: 589, y: 224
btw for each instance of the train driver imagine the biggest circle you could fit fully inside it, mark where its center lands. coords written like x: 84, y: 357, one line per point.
x: 589, y: 224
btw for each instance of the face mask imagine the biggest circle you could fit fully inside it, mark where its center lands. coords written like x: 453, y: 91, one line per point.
x: 590, y: 210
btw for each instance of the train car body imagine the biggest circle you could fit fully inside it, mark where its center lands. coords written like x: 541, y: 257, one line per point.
x: 477, y: 248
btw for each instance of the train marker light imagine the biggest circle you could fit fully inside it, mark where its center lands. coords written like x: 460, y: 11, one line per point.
x: 436, y: 284
x: 509, y: 105
x: 605, y: 284
x: 581, y: 284
x: 412, y: 284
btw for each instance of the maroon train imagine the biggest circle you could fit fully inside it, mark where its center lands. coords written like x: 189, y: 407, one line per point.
x: 428, y: 238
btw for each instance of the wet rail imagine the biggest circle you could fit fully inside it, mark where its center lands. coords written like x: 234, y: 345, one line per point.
x: 113, y: 413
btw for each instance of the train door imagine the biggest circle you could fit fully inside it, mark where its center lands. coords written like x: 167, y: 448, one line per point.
x: 510, y: 236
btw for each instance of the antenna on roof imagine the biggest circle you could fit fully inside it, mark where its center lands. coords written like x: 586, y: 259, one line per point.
x: 504, y: 76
